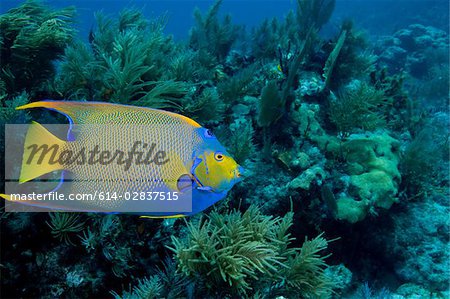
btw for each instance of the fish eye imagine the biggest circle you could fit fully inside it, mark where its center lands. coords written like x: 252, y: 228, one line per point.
x: 208, y: 133
x: 218, y: 156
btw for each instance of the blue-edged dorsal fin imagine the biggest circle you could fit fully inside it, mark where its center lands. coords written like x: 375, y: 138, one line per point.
x: 107, y: 113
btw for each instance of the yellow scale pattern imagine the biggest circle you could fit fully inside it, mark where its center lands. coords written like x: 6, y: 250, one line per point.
x: 113, y: 127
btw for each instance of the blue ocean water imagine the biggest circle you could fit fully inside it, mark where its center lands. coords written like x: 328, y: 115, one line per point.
x: 376, y: 16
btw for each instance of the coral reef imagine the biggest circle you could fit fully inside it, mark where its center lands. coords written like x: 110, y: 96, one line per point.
x: 372, y: 163
x: 32, y: 37
x: 422, y: 163
x: 63, y: 224
x: 271, y: 107
x: 369, y: 175
x: 350, y: 57
x: 212, y: 36
x: 421, y: 52
x: 240, y: 252
x: 411, y: 49
x: 359, y: 106
x: 348, y: 134
x: 307, y: 20
x: 419, y: 262
x: 122, y: 64
x: 313, y: 14
x: 329, y: 64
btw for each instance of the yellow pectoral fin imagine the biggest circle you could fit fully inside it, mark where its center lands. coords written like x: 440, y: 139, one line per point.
x: 164, y: 217
x: 41, y: 152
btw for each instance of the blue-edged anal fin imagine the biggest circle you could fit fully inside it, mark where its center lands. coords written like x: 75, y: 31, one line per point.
x: 164, y: 217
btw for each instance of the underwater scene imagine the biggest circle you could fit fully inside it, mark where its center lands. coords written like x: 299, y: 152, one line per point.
x: 311, y: 137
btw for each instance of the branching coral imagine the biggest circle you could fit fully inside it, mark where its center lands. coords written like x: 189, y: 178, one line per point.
x: 354, y: 60
x: 211, y: 35
x: 131, y: 18
x: 291, y: 67
x: 32, y: 36
x: 313, y: 14
x: 277, y: 100
x: 175, y: 284
x: 304, y: 272
x: 82, y: 73
x: 125, y: 62
x: 359, y: 106
x: 8, y: 112
x: 227, y: 251
x: 420, y: 162
x: 240, y: 143
x: 166, y: 283
x: 248, y: 250
x: 125, y: 68
x: 206, y: 107
x: 183, y: 66
x: 271, y: 106
x: 65, y: 224
x: 329, y: 65
x: 237, y: 86
x: 165, y: 94
x: 149, y: 288
x: 101, y: 240
x: 3, y: 93
x: 307, y: 20
x: 267, y: 38
x: 134, y: 58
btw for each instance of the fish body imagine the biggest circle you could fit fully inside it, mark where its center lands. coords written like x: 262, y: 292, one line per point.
x: 185, y: 156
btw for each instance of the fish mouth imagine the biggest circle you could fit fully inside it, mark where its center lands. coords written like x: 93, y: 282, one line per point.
x: 239, y: 173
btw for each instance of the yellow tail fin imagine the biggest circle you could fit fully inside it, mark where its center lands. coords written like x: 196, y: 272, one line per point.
x: 41, y: 152
x: 5, y: 196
